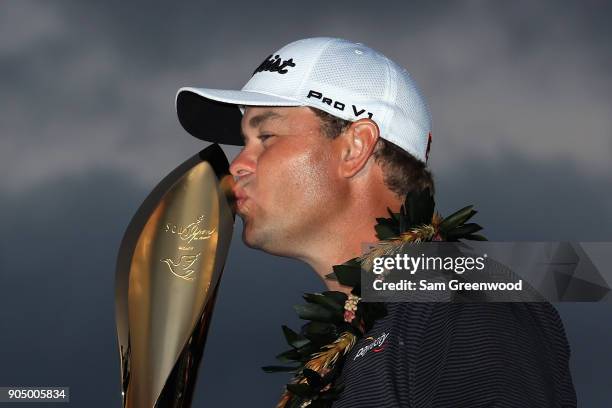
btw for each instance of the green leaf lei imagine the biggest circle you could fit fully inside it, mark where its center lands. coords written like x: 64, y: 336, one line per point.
x: 337, y: 320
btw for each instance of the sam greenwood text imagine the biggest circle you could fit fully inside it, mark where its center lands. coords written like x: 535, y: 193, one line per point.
x: 453, y: 284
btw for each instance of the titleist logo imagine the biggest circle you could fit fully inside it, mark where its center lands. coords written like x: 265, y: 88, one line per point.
x: 275, y: 64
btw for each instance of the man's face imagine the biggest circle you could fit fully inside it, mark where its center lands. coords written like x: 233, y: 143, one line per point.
x: 287, y: 178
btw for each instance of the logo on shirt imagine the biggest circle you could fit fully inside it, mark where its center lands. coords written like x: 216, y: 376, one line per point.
x: 376, y: 345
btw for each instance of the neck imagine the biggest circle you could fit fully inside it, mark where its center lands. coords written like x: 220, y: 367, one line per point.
x: 353, y: 229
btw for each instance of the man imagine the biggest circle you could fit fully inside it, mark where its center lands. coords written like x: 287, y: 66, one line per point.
x: 334, y: 134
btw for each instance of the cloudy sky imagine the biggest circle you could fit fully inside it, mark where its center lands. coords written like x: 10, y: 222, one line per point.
x: 520, y: 93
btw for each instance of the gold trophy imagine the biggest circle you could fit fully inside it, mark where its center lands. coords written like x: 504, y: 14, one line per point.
x: 168, y: 271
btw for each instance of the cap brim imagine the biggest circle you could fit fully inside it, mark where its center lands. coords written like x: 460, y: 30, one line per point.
x: 214, y: 115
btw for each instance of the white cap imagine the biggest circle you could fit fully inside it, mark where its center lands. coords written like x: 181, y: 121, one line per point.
x: 348, y: 80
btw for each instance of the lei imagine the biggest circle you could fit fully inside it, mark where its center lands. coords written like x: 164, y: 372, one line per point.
x: 336, y: 320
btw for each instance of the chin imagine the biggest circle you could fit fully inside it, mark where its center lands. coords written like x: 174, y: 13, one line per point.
x: 250, y: 236
x: 263, y: 240
x: 248, y: 240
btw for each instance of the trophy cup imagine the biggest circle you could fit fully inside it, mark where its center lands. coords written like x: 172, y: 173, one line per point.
x: 168, y: 271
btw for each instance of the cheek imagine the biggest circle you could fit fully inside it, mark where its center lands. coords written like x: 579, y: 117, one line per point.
x: 295, y: 178
x: 311, y: 176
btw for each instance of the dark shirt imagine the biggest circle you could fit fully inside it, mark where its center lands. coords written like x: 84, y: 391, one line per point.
x: 460, y: 355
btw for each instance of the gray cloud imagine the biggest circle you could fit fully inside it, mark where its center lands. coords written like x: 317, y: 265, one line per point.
x: 88, y: 85
x: 520, y: 199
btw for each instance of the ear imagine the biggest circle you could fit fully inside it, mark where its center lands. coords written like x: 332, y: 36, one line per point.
x: 357, y: 145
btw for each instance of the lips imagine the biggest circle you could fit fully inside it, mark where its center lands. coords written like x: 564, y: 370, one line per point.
x: 240, y: 197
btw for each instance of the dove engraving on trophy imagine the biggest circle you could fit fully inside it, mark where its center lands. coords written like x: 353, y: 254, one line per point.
x: 185, y: 264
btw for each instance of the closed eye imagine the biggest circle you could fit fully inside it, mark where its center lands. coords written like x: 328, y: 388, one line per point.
x: 264, y: 137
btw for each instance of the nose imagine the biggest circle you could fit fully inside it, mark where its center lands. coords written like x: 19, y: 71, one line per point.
x: 243, y: 164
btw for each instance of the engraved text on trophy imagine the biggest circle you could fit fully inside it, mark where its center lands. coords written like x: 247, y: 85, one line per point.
x: 185, y: 265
